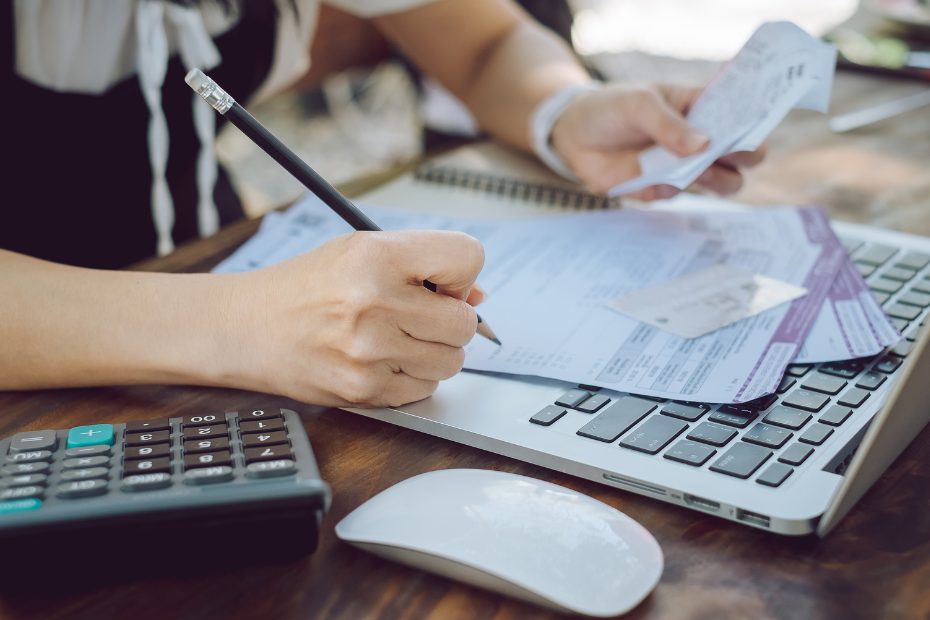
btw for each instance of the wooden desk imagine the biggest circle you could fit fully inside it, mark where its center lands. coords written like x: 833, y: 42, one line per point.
x: 875, y: 565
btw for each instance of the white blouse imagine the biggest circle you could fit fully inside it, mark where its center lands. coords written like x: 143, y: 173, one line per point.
x: 87, y: 46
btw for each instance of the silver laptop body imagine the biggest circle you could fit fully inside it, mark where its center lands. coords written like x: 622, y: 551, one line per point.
x: 493, y: 412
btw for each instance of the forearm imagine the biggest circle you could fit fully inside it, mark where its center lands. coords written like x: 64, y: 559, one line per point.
x: 65, y: 326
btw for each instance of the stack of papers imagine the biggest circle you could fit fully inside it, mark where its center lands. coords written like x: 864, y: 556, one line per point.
x: 781, y: 67
x: 551, y: 280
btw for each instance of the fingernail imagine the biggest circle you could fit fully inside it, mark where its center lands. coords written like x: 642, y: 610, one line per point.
x: 694, y: 142
x: 664, y: 192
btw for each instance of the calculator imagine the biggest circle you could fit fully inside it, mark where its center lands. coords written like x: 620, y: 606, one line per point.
x: 168, y: 487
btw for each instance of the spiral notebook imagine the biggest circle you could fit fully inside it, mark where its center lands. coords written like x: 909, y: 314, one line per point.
x: 485, y: 180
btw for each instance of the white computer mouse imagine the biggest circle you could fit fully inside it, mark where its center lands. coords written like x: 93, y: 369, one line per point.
x: 515, y: 535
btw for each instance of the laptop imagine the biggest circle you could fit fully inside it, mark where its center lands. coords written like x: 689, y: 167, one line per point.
x: 793, y: 463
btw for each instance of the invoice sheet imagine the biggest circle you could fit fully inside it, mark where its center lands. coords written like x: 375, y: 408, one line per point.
x: 781, y: 67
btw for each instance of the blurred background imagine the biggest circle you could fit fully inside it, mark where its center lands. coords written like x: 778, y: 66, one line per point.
x: 362, y: 109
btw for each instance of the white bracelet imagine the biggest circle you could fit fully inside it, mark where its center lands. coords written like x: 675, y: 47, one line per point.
x: 543, y: 120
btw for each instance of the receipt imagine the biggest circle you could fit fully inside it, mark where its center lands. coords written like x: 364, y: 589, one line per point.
x: 781, y: 67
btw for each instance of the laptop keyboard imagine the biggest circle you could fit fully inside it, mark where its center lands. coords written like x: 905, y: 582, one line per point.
x: 780, y: 431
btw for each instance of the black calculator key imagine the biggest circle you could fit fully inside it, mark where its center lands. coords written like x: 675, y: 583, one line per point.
x: 741, y: 460
x: 713, y: 434
x: 81, y: 488
x: 209, y: 475
x: 767, y: 435
x: 653, y: 434
x: 816, y: 434
x: 27, y: 492
x: 264, y: 439
x: 25, y: 480
x: 689, y: 413
x: 148, y: 425
x: 85, y: 474
x: 268, y: 453
x: 207, y: 459
x: 147, y: 452
x: 98, y: 450
x: 34, y: 440
x: 572, y: 398
x: 146, y: 482
x: 25, y: 468
x: 774, y: 475
x: 835, y: 415
x: 271, y: 469
x: 82, y: 462
x: 808, y: 401
x: 205, y: 432
x: 795, y: 454
x: 142, y: 439
x: 690, y: 452
x: 853, y: 397
x: 32, y: 456
x: 787, y: 417
x: 193, y: 446
x: 261, y: 426
x: 617, y: 419
x: 548, y: 414
x: 259, y: 414
x: 147, y: 466
x: 203, y: 420
x: 593, y: 404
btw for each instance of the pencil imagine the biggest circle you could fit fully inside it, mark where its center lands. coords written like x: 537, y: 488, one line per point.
x: 223, y: 103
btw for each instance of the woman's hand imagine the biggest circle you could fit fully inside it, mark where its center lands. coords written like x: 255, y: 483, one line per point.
x: 350, y: 323
x: 601, y: 134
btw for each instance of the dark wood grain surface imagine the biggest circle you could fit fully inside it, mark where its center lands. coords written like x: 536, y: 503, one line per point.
x: 876, y: 564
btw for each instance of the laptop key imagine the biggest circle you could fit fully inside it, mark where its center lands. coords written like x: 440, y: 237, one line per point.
x: 854, y: 397
x: 914, y: 260
x: 900, y: 324
x: 572, y: 398
x: 880, y: 297
x: 903, y: 311
x: 922, y: 286
x: 653, y: 434
x: 888, y: 364
x: 808, y: 401
x: 733, y: 417
x: 774, y: 475
x: 913, y: 298
x: 885, y: 285
x: 691, y: 413
x: 798, y: 370
x: 835, y: 415
x: 865, y: 270
x: 847, y: 370
x: 851, y: 245
x: 713, y: 434
x: 901, y: 274
x: 690, y: 453
x: 871, y: 380
x: 547, y: 415
x: 820, y: 382
x: 593, y: 404
x: 903, y: 348
x: 876, y: 254
x: 768, y: 436
x: 617, y: 419
x: 787, y: 417
x: 816, y: 434
x: 795, y: 454
x: 741, y: 460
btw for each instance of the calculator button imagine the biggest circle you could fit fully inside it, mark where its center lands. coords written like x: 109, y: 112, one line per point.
x: 146, y: 452
x: 203, y: 420
x: 205, y: 432
x: 268, y: 453
x: 93, y: 435
x: 208, y: 459
x: 25, y: 468
x: 148, y: 425
x: 206, y: 445
x: 146, y: 467
x: 19, y: 505
x: 30, y: 457
x: 261, y: 426
x: 22, y: 493
x: 270, y: 469
x: 264, y: 439
x: 209, y: 475
x: 87, y: 451
x: 25, y: 480
x: 146, y: 482
x: 141, y: 439
x: 35, y: 440
x: 85, y: 461
x: 81, y: 488
x: 259, y: 414
x: 85, y: 474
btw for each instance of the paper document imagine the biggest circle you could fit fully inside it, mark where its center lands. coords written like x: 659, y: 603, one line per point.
x: 702, y: 301
x: 781, y: 67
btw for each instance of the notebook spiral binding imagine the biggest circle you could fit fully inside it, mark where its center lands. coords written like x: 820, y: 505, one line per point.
x: 540, y: 193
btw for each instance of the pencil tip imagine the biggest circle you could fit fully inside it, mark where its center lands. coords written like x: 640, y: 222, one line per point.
x: 486, y: 331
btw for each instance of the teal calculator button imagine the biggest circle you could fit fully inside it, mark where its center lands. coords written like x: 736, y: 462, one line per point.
x: 93, y: 435
x: 19, y: 505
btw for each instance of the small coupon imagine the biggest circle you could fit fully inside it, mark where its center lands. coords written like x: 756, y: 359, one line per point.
x: 706, y: 300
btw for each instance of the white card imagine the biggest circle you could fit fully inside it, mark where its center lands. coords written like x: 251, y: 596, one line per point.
x: 706, y: 300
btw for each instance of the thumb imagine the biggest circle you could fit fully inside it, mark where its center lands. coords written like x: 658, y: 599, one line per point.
x: 449, y: 260
x: 665, y: 125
